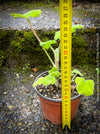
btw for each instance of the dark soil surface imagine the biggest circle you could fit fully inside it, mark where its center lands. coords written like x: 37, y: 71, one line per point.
x: 54, y: 92
x: 20, y: 110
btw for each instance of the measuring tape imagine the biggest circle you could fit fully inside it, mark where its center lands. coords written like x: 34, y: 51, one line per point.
x: 65, y: 32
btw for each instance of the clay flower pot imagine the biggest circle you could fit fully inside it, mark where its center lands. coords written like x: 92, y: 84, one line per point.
x: 52, y: 108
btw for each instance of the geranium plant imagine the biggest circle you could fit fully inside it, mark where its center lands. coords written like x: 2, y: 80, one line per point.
x: 83, y: 87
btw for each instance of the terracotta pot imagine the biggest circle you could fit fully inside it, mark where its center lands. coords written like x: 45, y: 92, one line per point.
x: 52, y: 108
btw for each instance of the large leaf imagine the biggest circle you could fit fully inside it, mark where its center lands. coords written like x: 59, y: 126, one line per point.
x: 84, y: 87
x: 57, y: 35
x: 32, y: 13
x: 49, y: 79
x: 76, y: 27
x: 75, y: 71
x: 47, y: 44
x: 38, y: 82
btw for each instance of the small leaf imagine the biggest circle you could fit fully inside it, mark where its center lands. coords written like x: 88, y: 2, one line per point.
x: 76, y: 27
x: 76, y: 72
x: 16, y: 15
x: 32, y: 13
x: 57, y: 35
x: 84, y: 87
x: 47, y: 44
x: 49, y: 79
x: 54, y: 72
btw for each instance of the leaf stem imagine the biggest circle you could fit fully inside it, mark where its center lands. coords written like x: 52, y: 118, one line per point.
x: 73, y: 77
x: 33, y: 31
x: 40, y: 42
x: 52, y: 49
x: 49, y: 57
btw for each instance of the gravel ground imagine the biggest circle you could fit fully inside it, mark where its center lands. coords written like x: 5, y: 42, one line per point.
x: 85, y: 14
x: 20, y: 110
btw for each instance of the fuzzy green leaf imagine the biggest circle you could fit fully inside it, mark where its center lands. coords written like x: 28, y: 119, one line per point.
x: 48, y: 80
x: 84, y: 87
x: 32, y: 13
x: 57, y: 35
x: 76, y: 72
x: 76, y: 27
x: 54, y: 72
x: 47, y: 44
x: 38, y: 82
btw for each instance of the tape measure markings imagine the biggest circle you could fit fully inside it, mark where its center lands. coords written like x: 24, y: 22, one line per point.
x: 65, y: 28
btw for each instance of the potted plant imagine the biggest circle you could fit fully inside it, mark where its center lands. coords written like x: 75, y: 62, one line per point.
x: 48, y: 84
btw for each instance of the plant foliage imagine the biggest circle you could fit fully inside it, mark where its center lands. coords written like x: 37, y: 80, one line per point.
x: 84, y: 87
x: 32, y: 13
x: 51, y: 78
x: 47, y: 44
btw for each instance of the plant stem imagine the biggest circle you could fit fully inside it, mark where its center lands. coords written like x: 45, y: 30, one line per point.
x: 34, y: 31
x: 49, y: 57
x: 40, y: 42
x: 52, y: 49
x: 73, y: 77
x: 57, y: 58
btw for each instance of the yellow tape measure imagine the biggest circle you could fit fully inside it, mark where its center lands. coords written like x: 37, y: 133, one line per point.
x: 65, y: 31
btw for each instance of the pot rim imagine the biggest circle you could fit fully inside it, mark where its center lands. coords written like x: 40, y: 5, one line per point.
x: 50, y: 99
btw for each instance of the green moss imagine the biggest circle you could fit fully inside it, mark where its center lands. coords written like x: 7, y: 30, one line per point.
x: 21, y: 47
x: 83, y: 51
x: 78, y: 41
x: 90, y: 30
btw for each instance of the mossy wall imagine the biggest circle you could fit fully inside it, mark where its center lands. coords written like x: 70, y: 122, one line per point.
x: 84, y: 46
x: 19, y: 48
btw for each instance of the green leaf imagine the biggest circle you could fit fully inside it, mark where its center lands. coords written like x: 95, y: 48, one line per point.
x: 47, y: 44
x: 16, y: 15
x: 57, y: 35
x: 79, y: 80
x: 76, y: 27
x: 38, y: 82
x: 32, y: 13
x: 76, y: 72
x: 48, y: 80
x: 54, y: 72
x: 84, y: 87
